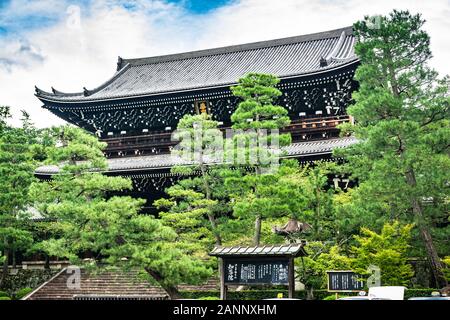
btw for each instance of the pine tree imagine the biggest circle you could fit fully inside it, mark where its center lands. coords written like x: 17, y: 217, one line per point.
x: 256, y: 111
x: 201, y: 143
x: 108, y: 227
x: 402, y: 122
x: 16, y: 176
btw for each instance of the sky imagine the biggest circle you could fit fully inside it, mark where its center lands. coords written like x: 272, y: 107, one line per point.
x: 74, y: 44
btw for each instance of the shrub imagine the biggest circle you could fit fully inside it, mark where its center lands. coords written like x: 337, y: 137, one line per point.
x: 333, y: 297
x: 22, y: 293
x: 419, y: 292
x: 209, y: 298
x: 272, y: 293
x: 4, y: 294
x: 5, y: 298
x: 386, y: 250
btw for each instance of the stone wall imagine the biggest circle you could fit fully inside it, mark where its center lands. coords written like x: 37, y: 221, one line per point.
x: 26, y: 278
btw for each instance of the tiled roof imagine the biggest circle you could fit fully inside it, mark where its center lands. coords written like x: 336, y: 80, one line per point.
x: 298, y: 149
x: 318, y: 147
x: 287, y: 57
x: 292, y: 250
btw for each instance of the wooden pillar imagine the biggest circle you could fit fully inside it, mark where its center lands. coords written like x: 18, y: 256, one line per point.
x: 223, y: 287
x: 291, y: 278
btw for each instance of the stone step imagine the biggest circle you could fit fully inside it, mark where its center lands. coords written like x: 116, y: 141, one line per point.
x: 96, y: 291
x: 102, y: 285
x: 117, y: 283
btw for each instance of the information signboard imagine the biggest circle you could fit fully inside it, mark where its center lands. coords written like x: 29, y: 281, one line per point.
x: 344, y: 281
x: 256, y: 271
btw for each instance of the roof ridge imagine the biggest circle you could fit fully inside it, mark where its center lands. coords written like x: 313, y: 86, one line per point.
x: 337, y: 47
x: 336, y: 33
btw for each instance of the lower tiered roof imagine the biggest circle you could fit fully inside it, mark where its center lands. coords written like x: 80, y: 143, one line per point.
x: 161, y: 161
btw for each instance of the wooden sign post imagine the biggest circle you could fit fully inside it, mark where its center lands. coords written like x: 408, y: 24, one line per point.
x: 344, y: 281
x: 223, y: 286
x: 261, y: 265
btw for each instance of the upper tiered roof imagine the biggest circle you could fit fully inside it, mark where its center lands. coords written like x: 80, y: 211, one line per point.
x: 219, y: 67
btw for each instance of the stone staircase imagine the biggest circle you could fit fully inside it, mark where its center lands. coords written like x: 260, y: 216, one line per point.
x: 107, y: 285
x: 98, y: 286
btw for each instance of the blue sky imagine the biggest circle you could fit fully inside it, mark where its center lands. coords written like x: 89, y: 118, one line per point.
x: 16, y: 18
x: 201, y: 6
x: 21, y: 19
x: 74, y: 44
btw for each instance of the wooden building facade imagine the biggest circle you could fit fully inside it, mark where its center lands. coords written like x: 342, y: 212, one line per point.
x: 136, y: 110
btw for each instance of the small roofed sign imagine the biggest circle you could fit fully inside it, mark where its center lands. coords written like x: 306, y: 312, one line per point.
x: 258, y: 265
x: 344, y: 281
x: 256, y: 271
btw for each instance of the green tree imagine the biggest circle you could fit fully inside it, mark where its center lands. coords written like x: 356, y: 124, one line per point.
x: 446, y: 260
x: 44, y: 230
x: 257, y: 112
x: 5, y: 114
x: 256, y: 201
x: 282, y: 194
x: 350, y: 213
x: 401, y: 111
x: 186, y: 212
x: 387, y: 250
x: 320, y: 210
x: 16, y: 175
x: 201, y: 143
x: 110, y: 228
x: 312, y: 269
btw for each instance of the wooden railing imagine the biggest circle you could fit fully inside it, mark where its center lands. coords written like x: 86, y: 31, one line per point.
x: 160, y: 142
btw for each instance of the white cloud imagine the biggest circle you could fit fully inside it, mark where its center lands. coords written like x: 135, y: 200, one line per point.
x: 69, y: 56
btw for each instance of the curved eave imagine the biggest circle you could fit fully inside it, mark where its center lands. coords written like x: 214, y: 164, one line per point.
x: 64, y: 96
x: 50, y: 97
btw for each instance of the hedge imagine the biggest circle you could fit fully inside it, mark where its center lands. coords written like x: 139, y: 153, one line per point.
x: 251, y: 294
x: 265, y: 294
x: 419, y: 292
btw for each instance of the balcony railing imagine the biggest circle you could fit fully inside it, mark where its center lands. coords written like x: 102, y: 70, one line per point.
x: 160, y: 142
